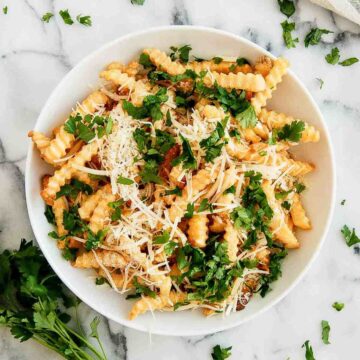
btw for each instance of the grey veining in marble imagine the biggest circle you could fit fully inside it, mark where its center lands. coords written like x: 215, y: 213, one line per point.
x: 34, y: 56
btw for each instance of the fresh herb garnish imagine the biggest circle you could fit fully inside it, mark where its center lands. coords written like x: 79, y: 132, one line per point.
x: 217, y: 60
x: 181, y: 53
x: 230, y: 190
x: 299, y: 188
x: 84, y: 20
x: 150, y: 107
x: 162, y: 239
x: 287, y: 7
x: 116, y: 206
x: 213, y: 143
x: 145, y: 61
x: 124, y: 181
x: 309, y: 354
x: 66, y: 17
x: 289, y: 41
x: 94, y: 240
x: 282, y: 194
x: 314, y: 36
x: 73, y: 189
x: 49, y: 214
x: 189, y: 210
x: 247, y: 118
x: 286, y: 205
x: 149, y: 173
x: 186, y: 157
x: 138, y: 2
x: 100, y: 281
x: 220, y: 353
x: 334, y: 56
x: 350, y: 236
x: 5, y: 10
x: 291, y: 132
x: 176, y: 191
x: 338, y: 306
x: 87, y: 127
x: 141, y: 290
x: 205, y: 205
x: 321, y: 82
x: 242, y: 61
x: 32, y: 302
x: 343, y: 202
x: 47, y: 16
x: 325, y: 331
x: 349, y: 62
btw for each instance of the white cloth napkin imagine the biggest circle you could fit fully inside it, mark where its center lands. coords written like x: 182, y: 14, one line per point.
x: 349, y: 9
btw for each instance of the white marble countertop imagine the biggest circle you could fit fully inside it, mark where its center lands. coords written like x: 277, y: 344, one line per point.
x: 34, y: 56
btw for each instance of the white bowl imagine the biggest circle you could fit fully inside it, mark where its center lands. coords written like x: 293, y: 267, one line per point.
x: 291, y: 97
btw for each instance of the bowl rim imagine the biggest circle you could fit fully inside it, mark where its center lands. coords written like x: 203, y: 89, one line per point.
x: 298, y: 277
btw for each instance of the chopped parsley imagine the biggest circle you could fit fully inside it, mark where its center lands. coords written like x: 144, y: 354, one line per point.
x: 116, y: 206
x: 299, y: 188
x: 100, y: 281
x: 124, y: 181
x: 321, y: 82
x: 149, y: 173
x: 5, y: 10
x: 138, y: 2
x: 205, y: 205
x: 282, y: 194
x: 49, y: 214
x: 181, y: 53
x: 325, y: 331
x: 286, y: 205
x: 349, y: 62
x: 350, y: 236
x: 220, y: 353
x: 73, y: 189
x: 247, y: 118
x: 87, y: 127
x: 334, y: 56
x: 343, y: 202
x: 242, y: 61
x: 189, y: 210
x: 338, y: 306
x: 84, y: 20
x: 287, y: 7
x: 314, y: 36
x: 145, y: 61
x: 162, y: 239
x: 289, y: 41
x: 141, y: 290
x: 291, y: 132
x: 230, y: 190
x: 186, y: 157
x: 176, y: 191
x: 309, y: 354
x: 47, y: 16
x: 213, y: 143
x: 94, y: 240
x: 66, y: 17
x: 150, y: 107
x: 217, y: 60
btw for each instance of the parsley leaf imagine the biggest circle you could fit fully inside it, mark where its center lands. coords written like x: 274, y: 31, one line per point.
x: 176, y: 191
x: 124, y: 181
x: 49, y: 214
x: 325, y: 331
x: 241, y: 61
x: 94, y: 240
x: 338, y: 306
x: 247, y: 118
x: 343, y: 202
x: 217, y: 60
x: 349, y: 62
x: 288, y: 39
x: 299, y: 188
x: 141, y: 290
x: 5, y: 10
x: 162, y: 239
x: 286, y: 205
x: 220, y: 353
x: 309, y: 354
x: 321, y: 82
x: 230, y: 190
x: 149, y: 173
x: 350, y: 236
x: 145, y: 61
x: 291, y: 132
x: 84, y: 20
x: 66, y: 17
x: 100, y: 281
x: 46, y: 17
x: 189, y: 211
x: 334, y: 56
x: 182, y: 53
x: 205, y: 205
x: 287, y: 7
x: 187, y: 156
x: 314, y: 36
x: 116, y: 206
x: 73, y: 189
x: 138, y: 2
x: 212, y: 144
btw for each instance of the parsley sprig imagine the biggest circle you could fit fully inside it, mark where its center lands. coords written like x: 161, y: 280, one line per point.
x: 32, y: 302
